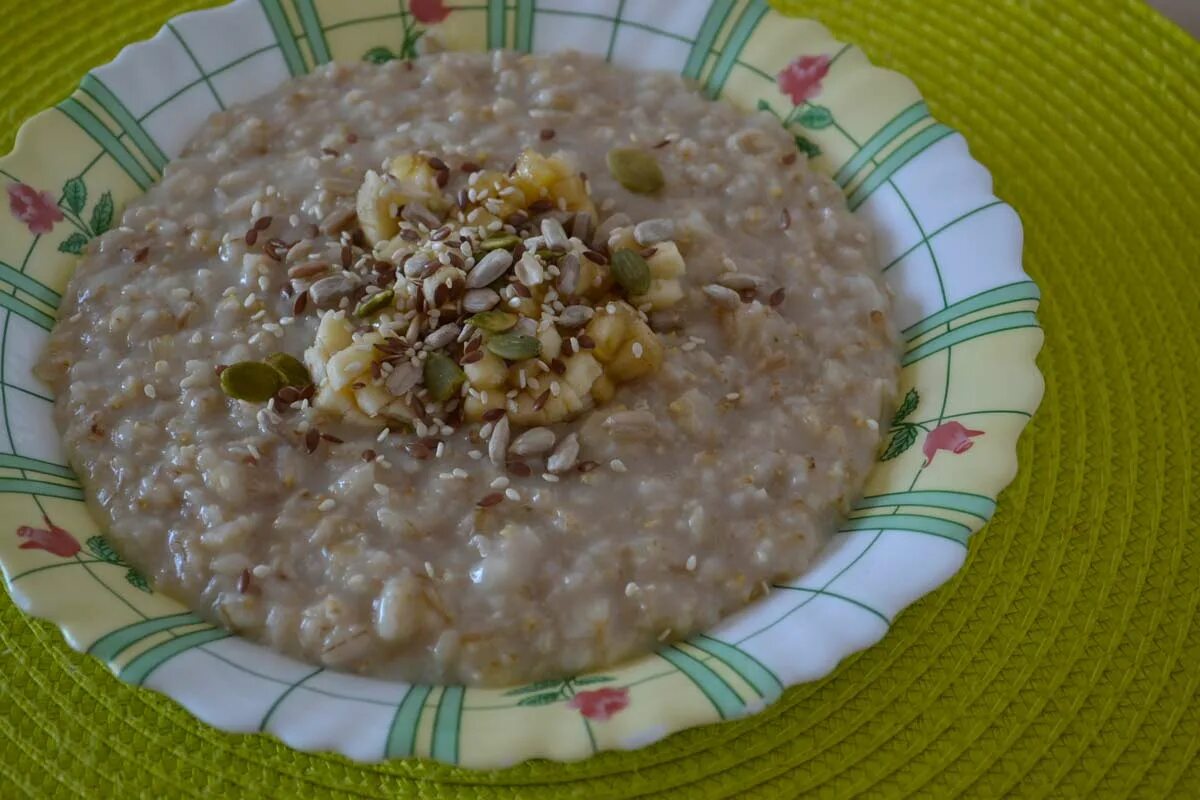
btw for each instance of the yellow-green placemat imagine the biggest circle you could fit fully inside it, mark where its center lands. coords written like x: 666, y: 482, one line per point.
x: 1063, y: 660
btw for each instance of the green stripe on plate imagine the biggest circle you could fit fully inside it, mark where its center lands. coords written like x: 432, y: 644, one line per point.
x: 929, y: 237
x: 85, y: 119
x: 96, y: 89
x: 747, y: 21
x: 524, y: 26
x: 29, y: 285
x: 972, y: 330
x: 885, y: 136
x: 140, y: 668
x: 112, y: 644
x: 897, y: 159
x: 497, y: 21
x: 284, y: 36
x: 976, y: 505
x: 1001, y: 295
x: 714, y: 20
x: 446, y: 725
x: 36, y: 465
x: 724, y: 699
x: 311, y: 22
x: 917, y: 523
x: 266, y: 718
x: 40, y: 488
x: 753, y: 671
x: 402, y: 737
x: 34, y: 315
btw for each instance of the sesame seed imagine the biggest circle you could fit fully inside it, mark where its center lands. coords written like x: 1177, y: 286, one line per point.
x: 691, y: 563
x: 327, y: 504
x: 617, y: 465
x: 637, y: 349
x: 381, y: 489
x: 499, y: 483
x: 261, y: 571
x: 549, y: 477
x: 512, y: 494
x: 460, y: 473
x: 631, y: 589
x: 429, y: 570
x: 149, y: 391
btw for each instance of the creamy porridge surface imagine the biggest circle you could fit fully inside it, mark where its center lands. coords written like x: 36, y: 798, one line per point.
x: 445, y: 505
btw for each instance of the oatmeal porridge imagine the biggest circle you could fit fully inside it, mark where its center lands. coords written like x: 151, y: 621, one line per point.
x: 480, y: 368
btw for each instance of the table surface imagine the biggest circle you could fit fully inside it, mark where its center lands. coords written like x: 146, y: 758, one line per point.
x: 1185, y: 12
x: 1060, y: 662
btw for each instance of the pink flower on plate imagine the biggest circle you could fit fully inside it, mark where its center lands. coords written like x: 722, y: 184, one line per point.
x: 36, y: 209
x: 801, y: 79
x: 950, y: 436
x: 52, y: 539
x: 600, y: 704
x: 429, y: 12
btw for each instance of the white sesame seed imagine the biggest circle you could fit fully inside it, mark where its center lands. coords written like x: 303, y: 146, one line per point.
x: 691, y: 563
x: 631, y: 589
x: 254, y: 451
x: 440, y: 451
x: 460, y: 473
x: 500, y: 482
x: 445, y: 476
x: 732, y: 396
x: 637, y: 349
x: 381, y: 489
x: 149, y: 391
x: 383, y: 434
x: 261, y: 570
x: 327, y: 504
x: 249, y: 301
x: 512, y: 494
x: 617, y: 465
x: 550, y: 477
x: 429, y: 570
x: 555, y: 389
x: 474, y: 455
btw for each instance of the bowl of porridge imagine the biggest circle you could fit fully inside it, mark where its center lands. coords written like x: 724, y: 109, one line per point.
x: 398, y: 383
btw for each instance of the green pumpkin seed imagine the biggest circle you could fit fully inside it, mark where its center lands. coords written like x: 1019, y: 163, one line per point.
x: 506, y: 242
x: 493, y: 321
x: 293, y: 370
x: 375, y: 303
x: 631, y: 271
x: 252, y: 381
x: 442, y: 376
x: 635, y: 169
x: 514, y: 346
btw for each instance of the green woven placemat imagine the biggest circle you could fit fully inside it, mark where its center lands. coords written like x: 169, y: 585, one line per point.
x: 1063, y: 660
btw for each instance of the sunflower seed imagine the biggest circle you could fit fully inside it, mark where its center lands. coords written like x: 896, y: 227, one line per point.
x: 328, y: 292
x: 739, y: 281
x: 575, y: 316
x: 309, y: 269
x: 581, y: 226
x: 403, y: 378
x: 529, y: 270
x: 723, y: 296
x: 653, y: 231
x: 442, y: 337
x: 498, y: 443
x: 418, y: 214
x: 417, y: 265
x: 490, y: 267
x: 554, y: 235
x: 337, y: 220
x: 618, y: 220
x: 476, y: 300
x: 564, y: 456
x: 568, y: 274
x: 532, y: 442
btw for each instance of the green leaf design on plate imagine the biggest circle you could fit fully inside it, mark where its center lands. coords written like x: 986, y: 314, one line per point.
x: 538, y: 686
x: 807, y: 146
x: 379, y: 55
x: 590, y: 679
x: 73, y: 244
x: 102, y: 550
x: 102, y: 214
x: 138, y: 581
x: 907, y: 407
x: 75, y: 194
x: 903, y: 438
x: 543, y: 699
x: 815, y: 117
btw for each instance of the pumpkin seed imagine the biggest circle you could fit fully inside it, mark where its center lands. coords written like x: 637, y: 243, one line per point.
x: 293, y: 370
x: 514, y: 346
x: 375, y: 303
x: 635, y: 169
x: 506, y: 242
x: 493, y: 321
x: 252, y: 381
x: 631, y: 271
x: 442, y: 377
